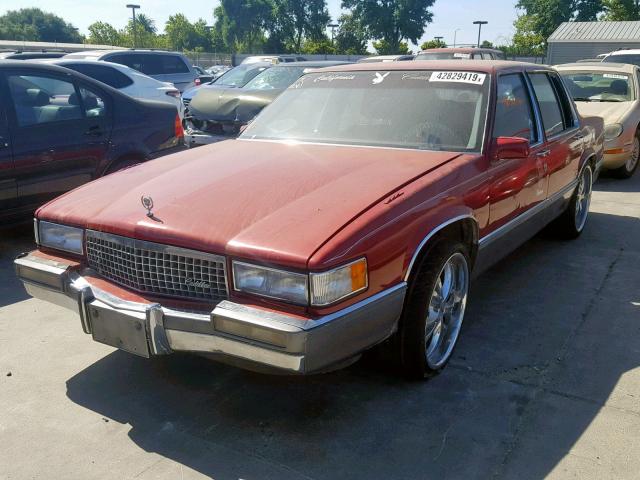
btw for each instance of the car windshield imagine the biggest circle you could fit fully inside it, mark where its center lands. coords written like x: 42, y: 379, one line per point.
x: 275, y: 78
x: 443, y: 56
x: 430, y: 110
x: 599, y: 86
x: 631, y: 58
x: 240, y: 75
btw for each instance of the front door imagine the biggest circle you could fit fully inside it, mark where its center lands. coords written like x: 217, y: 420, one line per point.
x: 518, y: 184
x: 60, y: 132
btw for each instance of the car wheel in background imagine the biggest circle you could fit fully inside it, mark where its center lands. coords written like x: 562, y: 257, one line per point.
x: 572, y: 221
x: 434, y: 309
x: 627, y: 170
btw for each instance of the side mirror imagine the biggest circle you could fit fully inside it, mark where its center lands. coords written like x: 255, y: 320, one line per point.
x: 505, y: 148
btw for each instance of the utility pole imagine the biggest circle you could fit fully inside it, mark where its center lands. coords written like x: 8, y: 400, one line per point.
x: 480, y: 23
x: 133, y: 14
x: 333, y: 27
x: 455, y: 36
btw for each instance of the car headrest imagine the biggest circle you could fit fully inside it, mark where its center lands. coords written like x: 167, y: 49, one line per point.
x: 73, y: 99
x: 34, y: 97
x: 619, y: 87
x: 89, y: 102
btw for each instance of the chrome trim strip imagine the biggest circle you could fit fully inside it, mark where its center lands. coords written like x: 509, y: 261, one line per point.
x: 429, y: 236
x: 524, y: 216
x: 187, y: 341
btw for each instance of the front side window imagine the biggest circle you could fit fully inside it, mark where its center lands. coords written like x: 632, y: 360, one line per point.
x: 430, y: 110
x: 514, y: 114
x: 552, y: 116
x: 275, y: 78
x: 43, y: 99
x: 173, y: 64
x: 598, y: 86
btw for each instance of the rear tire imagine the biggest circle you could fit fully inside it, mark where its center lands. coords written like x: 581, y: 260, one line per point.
x: 571, y: 223
x: 631, y: 165
x: 434, y: 310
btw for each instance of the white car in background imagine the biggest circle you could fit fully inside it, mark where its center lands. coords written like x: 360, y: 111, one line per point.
x: 125, y: 79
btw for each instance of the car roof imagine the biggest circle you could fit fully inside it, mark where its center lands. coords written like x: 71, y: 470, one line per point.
x: 630, y: 51
x: 311, y: 64
x: 487, y: 66
x: 100, y: 53
x: 374, y: 58
x: 460, y: 50
x: 609, y: 66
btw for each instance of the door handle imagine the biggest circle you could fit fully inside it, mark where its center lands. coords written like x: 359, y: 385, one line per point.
x: 93, y: 132
x: 544, y: 153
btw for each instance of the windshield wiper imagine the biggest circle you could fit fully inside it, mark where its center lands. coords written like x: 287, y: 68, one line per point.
x: 582, y: 99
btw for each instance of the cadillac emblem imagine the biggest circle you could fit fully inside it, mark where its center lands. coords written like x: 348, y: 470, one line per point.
x: 147, y: 202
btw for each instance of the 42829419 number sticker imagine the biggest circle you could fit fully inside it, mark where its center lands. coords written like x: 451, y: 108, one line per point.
x: 459, y: 77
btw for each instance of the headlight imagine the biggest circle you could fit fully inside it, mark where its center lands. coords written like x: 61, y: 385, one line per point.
x: 61, y: 237
x: 612, y: 131
x: 329, y: 287
x: 272, y: 283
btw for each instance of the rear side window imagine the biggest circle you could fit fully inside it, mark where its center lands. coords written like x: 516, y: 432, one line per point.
x: 563, y: 99
x: 487, y: 56
x: 108, y: 75
x: 514, y: 113
x: 147, y: 64
x: 173, y: 64
x: 552, y: 115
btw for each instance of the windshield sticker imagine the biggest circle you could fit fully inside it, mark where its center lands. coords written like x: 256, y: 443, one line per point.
x: 379, y: 78
x: 459, y: 77
x: 333, y: 77
x: 426, y: 76
x: 613, y: 75
x: 461, y: 55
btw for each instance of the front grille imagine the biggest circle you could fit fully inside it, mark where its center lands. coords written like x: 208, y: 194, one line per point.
x: 156, y: 268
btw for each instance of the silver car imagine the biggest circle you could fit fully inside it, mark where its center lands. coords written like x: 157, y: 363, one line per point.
x: 172, y: 67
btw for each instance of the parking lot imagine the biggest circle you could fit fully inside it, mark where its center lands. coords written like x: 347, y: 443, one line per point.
x: 545, y: 381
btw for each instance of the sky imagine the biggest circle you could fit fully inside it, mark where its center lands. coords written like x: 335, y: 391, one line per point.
x: 448, y: 15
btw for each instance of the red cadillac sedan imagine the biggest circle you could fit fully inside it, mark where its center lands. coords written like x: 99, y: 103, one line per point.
x: 355, y: 209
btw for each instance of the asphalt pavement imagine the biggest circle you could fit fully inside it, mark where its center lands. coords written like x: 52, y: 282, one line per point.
x: 544, y: 383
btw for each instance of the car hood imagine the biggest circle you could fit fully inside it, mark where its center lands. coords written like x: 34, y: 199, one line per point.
x: 230, y: 105
x: 272, y: 201
x: 611, y: 112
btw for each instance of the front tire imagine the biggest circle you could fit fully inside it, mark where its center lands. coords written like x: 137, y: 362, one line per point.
x: 434, y: 310
x: 631, y: 165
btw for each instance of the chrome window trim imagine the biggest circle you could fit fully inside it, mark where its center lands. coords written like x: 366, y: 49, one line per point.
x: 429, y: 236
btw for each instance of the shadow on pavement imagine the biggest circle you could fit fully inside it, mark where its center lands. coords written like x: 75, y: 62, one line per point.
x: 13, y: 241
x: 533, y: 369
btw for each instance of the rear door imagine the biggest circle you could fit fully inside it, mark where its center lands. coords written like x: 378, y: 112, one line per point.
x: 175, y: 70
x: 8, y: 186
x: 564, y: 142
x: 60, y: 133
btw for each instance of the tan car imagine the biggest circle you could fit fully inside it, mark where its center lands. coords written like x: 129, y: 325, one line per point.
x: 610, y: 91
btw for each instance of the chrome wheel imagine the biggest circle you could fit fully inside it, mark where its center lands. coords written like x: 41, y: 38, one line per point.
x: 631, y: 163
x: 583, y: 198
x: 446, y: 310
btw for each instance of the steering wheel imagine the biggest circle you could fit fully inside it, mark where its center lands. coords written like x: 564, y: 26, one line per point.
x: 429, y: 133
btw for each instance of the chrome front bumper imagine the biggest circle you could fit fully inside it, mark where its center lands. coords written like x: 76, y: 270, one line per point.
x: 257, y: 336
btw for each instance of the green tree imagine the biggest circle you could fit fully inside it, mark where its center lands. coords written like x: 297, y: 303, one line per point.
x: 384, y: 48
x: 242, y: 23
x: 391, y: 22
x: 32, y: 24
x: 486, y: 44
x: 588, y: 10
x: 146, y: 24
x: 433, y: 44
x: 300, y: 19
x: 183, y: 35
x: 621, y: 10
x: 313, y: 46
x: 351, y: 38
x: 527, y: 40
x: 102, y: 33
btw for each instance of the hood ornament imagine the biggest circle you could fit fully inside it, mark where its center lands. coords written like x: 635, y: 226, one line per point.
x: 147, y: 202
